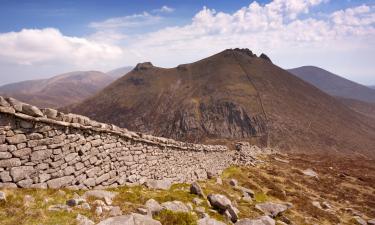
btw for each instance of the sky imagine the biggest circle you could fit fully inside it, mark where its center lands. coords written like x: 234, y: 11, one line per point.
x: 40, y: 39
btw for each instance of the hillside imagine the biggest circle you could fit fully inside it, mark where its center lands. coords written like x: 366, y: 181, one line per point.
x: 231, y: 95
x: 334, y: 84
x: 58, y: 91
x: 366, y: 108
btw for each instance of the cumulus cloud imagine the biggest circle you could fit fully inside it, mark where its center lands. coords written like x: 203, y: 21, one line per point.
x: 34, y: 46
x: 135, y: 20
x: 164, y: 9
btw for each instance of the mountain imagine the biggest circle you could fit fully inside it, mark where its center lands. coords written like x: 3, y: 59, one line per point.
x: 119, y: 72
x: 58, y: 91
x: 334, y: 84
x: 373, y: 86
x: 231, y: 95
x: 365, y: 108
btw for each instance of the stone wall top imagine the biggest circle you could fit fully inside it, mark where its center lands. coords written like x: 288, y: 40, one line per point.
x: 51, y: 116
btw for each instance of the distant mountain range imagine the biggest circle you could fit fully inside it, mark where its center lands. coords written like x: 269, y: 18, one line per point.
x: 119, y: 72
x: 231, y: 95
x: 58, y: 91
x: 373, y: 87
x: 334, y: 84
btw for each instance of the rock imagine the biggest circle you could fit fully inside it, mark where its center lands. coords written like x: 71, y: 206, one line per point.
x: 3, y: 196
x: 196, y: 189
x: 175, y: 206
x: 233, y: 182
x: 310, y: 173
x: 316, y: 204
x: 245, y: 191
x: 219, y: 201
x: 281, y: 160
x: 83, y: 220
x: 359, y: 220
x: 132, y: 219
x: 21, y: 172
x: 153, y: 206
x: 50, y: 113
x: 75, y: 201
x: 115, y: 211
x: 26, y: 124
x: 143, y: 211
x: 3, y: 102
x: 85, y: 206
x: 59, y: 207
x: 371, y: 222
x: 219, y: 181
x: 101, y: 194
x: 60, y: 182
x: 17, y: 105
x: 98, y: 203
x: 159, y: 184
x: 271, y: 209
x: 98, y: 210
x: 5, y: 155
x: 10, y: 162
x: 16, y: 139
x: 200, y: 211
x: 31, y: 110
x: 209, y: 221
x: 265, y: 57
x: 264, y: 220
x: 232, y: 214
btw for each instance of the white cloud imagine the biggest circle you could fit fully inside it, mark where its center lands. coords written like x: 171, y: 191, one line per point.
x: 135, y: 20
x: 48, y: 46
x: 164, y: 9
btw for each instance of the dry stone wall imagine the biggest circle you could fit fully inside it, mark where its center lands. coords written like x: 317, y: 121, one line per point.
x: 46, y: 148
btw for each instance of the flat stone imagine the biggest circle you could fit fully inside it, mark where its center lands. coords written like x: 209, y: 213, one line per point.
x: 5, y: 155
x: 359, y: 220
x: 102, y: 178
x: 22, y: 152
x: 310, y: 173
x: 175, y: 206
x: 5, y: 176
x: 16, y: 139
x: 21, y: 172
x: 219, y: 201
x: 60, y: 182
x: 10, y: 162
x: 32, y: 110
x: 159, y: 184
x: 40, y: 155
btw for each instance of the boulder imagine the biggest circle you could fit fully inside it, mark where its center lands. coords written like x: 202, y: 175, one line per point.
x: 272, y: 209
x: 132, y: 219
x: 101, y: 194
x: 153, y: 206
x: 209, y: 221
x: 233, y: 182
x: 175, y: 206
x: 219, y: 201
x: 196, y: 189
x: 3, y: 102
x: 83, y: 220
x: 17, y: 105
x: 50, y: 113
x: 159, y: 184
x: 31, y: 110
x: 246, y: 191
x: 264, y: 220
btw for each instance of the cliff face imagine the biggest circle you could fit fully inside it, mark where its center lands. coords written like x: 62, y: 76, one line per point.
x: 231, y: 95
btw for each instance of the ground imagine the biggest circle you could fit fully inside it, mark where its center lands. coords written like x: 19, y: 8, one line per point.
x: 346, y: 186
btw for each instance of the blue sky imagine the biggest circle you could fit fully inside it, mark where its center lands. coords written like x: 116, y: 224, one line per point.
x: 44, y: 38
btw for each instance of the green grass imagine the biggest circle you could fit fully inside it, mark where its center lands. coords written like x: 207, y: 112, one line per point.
x: 167, y: 217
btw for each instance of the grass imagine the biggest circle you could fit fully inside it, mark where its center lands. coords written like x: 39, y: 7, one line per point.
x: 272, y: 181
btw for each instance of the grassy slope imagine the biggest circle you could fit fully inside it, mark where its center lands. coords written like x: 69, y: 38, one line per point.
x: 341, y: 182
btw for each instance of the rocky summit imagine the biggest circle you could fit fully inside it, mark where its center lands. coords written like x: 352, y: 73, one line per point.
x: 233, y: 95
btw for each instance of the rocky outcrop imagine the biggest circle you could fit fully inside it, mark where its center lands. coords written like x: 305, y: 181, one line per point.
x: 46, y: 148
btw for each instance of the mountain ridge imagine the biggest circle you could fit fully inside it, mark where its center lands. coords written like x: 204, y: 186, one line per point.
x: 334, y: 84
x: 231, y: 95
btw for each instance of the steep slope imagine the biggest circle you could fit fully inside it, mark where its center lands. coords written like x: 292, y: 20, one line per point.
x: 366, y: 108
x: 334, y: 84
x: 231, y: 95
x: 119, y: 72
x: 58, y: 91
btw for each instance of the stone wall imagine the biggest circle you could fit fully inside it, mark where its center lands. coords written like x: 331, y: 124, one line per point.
x: 46, y: 148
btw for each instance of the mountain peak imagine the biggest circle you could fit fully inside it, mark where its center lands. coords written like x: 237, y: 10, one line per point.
x: 143, y: 66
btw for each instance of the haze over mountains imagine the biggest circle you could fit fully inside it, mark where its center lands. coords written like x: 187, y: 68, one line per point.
x: 58, y: 91
x: 231, y: 95
x: 334, y: 84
